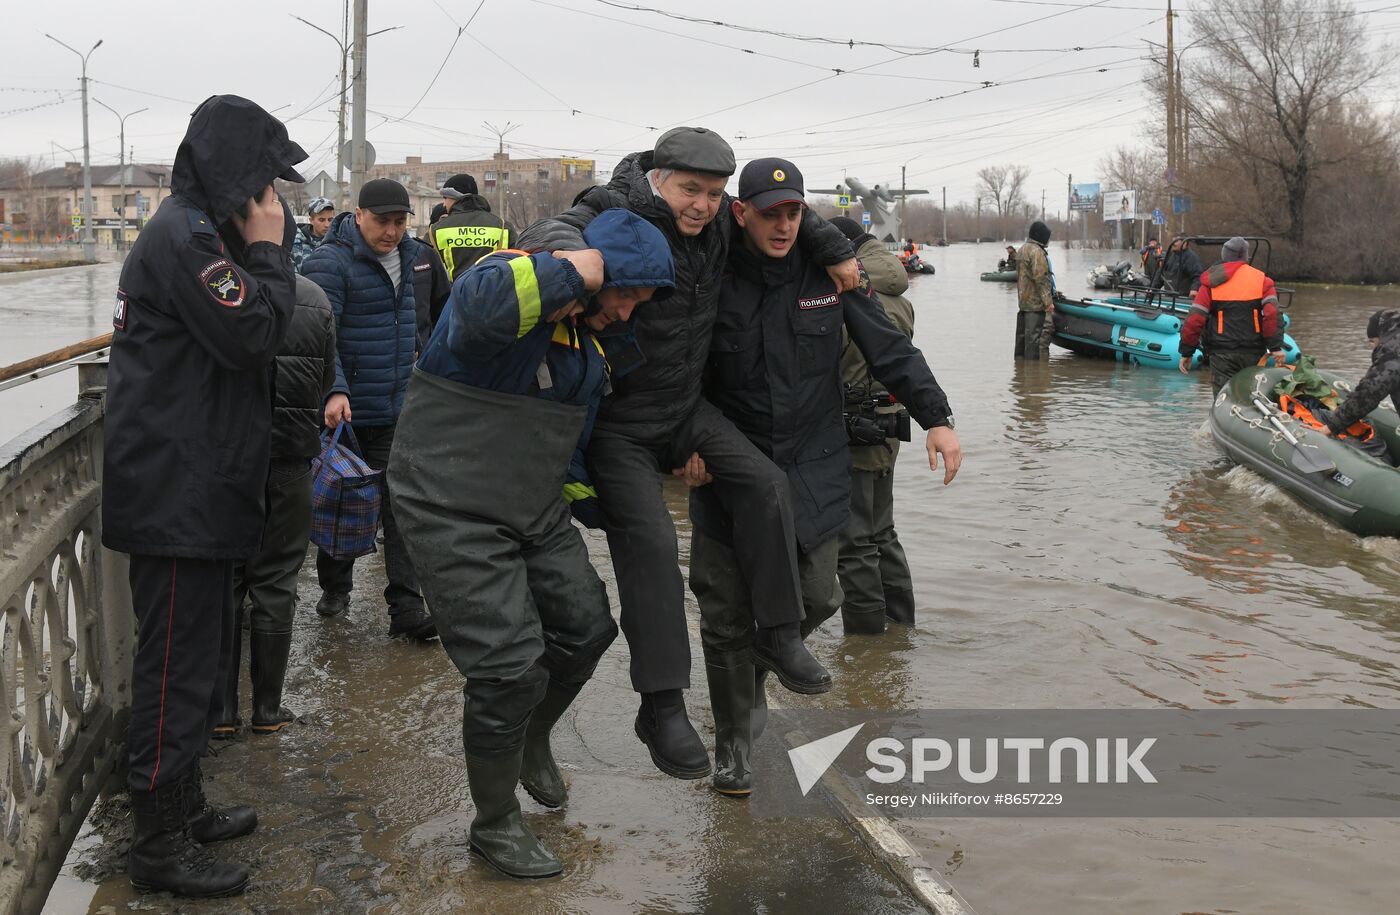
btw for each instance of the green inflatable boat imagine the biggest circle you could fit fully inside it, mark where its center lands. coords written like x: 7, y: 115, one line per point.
x: 999, y: 276
x: 1354, y: 489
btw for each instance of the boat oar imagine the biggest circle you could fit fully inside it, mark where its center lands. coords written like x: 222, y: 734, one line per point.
x: 1306, y: 461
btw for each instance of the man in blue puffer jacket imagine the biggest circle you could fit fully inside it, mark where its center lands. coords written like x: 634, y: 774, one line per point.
x: 504, y: 394
x: 366, y: 269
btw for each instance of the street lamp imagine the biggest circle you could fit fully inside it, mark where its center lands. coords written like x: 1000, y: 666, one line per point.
x: 902, y: 188
x: 89, y: 242
x: 345, y: 50
x: 121, y: 175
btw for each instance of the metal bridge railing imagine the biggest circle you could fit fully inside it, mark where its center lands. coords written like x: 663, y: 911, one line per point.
x: 66, y: 643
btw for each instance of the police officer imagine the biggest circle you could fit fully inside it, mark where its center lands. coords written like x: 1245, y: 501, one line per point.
x: 775, y: 370
x: 468, y: 231
x: 501, y: 400
x: 204, y: 300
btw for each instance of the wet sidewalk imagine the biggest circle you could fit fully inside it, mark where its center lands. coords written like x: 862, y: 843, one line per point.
x: 364, y: 806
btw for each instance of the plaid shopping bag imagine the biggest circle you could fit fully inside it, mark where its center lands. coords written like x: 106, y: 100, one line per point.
x: 345, y: 497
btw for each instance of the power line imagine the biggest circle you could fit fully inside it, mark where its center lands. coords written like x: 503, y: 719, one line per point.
x: 852, y: 43
x: 446, y: 57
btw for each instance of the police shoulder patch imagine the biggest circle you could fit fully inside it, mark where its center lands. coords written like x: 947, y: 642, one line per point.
x: 223, y: 282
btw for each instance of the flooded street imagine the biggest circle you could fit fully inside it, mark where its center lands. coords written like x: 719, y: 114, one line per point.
x: 1096, y: 551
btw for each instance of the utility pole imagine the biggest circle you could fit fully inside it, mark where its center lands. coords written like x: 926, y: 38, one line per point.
x: 1042, y: 204
x: 902, y: 188
x: 945, y: 214
x: 1171, y: 112
x: 979, y: 218
x: 89, y: 240
x: 357, y: 114
x: 501, y: 168
x: 1069, y: 205
x: 121, y: 175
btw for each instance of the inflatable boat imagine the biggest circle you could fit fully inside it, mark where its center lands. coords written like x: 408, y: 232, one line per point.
x: 1359, y: 491
x: 1139, y: 329
x: 999, y: 276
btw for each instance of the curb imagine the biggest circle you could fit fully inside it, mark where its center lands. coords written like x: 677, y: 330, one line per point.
x: 923, y: 881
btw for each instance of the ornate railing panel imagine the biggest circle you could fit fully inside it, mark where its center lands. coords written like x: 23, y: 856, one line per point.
x: 65, y: 645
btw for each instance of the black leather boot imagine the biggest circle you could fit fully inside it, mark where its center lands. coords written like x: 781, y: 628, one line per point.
x: 671, y: 739
x: 899, y: 607
x: 731, y: 678
x: 230, y: 725
x: 863, y: 622
x: 164, y: 855
x: 498, y: 833
x: 539, y: 773
x: 758, y: 720
x: 267, y: 662
x: 211, y: 824
x: 332, y: 603
x: 779, y: 649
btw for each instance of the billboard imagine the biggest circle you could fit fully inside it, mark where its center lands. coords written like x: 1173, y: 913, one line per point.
x: 1120, y: 206
x: 1084, y: 197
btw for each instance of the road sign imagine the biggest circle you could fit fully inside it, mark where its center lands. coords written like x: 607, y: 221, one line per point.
x: 843, y: 201
x: 1158, y: 218
x: 77, y: 221
x: 1181, y: 203
x: 865, y: 219
x: 348, y: 149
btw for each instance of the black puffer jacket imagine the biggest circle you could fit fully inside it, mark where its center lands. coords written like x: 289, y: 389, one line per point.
x: 1381, y: 379
x: 305, y: 373
x: 673, y: 335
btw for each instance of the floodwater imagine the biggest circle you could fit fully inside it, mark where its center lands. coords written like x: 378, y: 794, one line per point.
x: 1095, y: 552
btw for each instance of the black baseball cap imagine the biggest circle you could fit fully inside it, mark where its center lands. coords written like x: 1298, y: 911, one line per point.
x: 383, y: 196
x: 765, y: 183
x: 693, y: 149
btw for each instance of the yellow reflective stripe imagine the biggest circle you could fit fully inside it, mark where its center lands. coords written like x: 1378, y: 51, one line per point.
x: 576, y: 491
x: 527, y: 293
x: 563, y: 335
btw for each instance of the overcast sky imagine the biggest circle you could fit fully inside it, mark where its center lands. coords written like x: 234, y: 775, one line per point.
x: 596, y: 78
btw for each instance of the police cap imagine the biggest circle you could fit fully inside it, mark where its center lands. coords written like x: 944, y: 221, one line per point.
x: 765, y: 183
x: 693, y: 149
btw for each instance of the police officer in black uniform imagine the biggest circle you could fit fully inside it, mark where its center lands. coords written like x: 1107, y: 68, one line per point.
x: 203, y: 303
x: 775, y: 371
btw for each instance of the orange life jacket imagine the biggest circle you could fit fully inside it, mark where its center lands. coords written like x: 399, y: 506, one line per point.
x: 1233, y: 322
x: 1360, y: 430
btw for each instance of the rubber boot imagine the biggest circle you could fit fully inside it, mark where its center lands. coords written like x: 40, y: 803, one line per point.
x: 230, y: 725
x: 758, y: 719
x: 267, y: 663
x: 498, y: 833
x: 670, y: 737
x: 899, y: 607
x: 211, y: 824
x: 731, y: 678
x: 863, y: 622
x: 164, y: 855
x: 779, y: 650
x: 539, y: 773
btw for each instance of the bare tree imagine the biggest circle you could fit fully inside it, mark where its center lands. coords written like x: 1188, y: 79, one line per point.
x: 1265, y: 84
x: 1003, y: 185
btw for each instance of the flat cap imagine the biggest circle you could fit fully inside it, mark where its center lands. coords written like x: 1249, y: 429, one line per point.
x: 693, y: 149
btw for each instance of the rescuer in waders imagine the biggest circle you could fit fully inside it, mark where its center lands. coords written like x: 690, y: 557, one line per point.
x: 501, y: 401
x: 775, y: 371
x: 656, y: 421
x: 204, y: 301
x: 1234, y: 319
